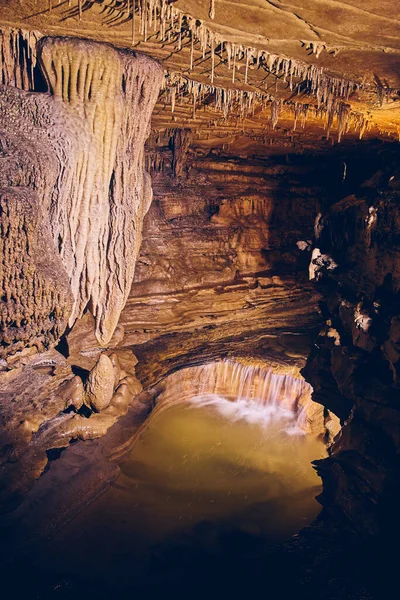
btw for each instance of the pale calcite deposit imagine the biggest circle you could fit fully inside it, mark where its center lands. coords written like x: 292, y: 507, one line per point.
x: 74, y: 193
x: 100, y: 219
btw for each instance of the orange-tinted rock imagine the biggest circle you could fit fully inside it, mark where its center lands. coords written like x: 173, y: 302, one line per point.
x: 100, y: 384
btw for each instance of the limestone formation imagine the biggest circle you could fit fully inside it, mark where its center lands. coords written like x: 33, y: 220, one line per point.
x: 177, y: 215
x: 36, y: 300
x: 100, y: 384
x: 354, y: 368
x: 98, y: 141
x: 114, y: 93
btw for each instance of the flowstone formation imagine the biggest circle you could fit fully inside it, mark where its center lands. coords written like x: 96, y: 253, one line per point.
x: 74, y: 193
x: 114, y: 93
x: 97, y: 200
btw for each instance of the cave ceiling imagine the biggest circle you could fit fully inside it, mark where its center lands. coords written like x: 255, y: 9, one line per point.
x: 252, y: 77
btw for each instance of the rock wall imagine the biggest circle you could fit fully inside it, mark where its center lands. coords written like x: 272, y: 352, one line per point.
x: 35, y: 295
x: 40, y: 142
x: 355, y: 365
x: 220, y: 272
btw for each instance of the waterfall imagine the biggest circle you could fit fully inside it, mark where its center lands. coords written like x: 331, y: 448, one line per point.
x: 237, y: 391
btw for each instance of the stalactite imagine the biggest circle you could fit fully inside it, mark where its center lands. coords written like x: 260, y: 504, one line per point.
x: 211, y: 12
x: 161, y: 17
x: 18, y: 57
x: 274, y: 113
x: 133, y: 20
x: 212, y: 58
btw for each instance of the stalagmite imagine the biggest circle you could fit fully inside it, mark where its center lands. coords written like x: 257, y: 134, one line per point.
x: 100, y: 384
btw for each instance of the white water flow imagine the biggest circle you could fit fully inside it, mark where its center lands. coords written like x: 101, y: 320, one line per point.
x: 252, y: 393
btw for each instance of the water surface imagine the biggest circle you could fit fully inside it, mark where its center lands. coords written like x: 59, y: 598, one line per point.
x: 198, y: 485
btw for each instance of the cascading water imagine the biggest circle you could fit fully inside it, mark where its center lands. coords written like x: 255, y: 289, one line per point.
x: 255, y: 394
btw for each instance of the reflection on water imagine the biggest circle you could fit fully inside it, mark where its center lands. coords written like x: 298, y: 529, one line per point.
x: 196, y: 478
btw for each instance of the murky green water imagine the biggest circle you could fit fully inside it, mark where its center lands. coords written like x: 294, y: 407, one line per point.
x: 195, y: 486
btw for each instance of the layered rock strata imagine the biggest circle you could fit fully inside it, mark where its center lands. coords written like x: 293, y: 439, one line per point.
x: 223, y: 266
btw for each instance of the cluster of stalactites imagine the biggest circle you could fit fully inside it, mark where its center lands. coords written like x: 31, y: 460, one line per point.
x: 169, y: 24
x: 18, y: 58
x: 242, y: 103
x: 227, y: 100
x: 339, y: 112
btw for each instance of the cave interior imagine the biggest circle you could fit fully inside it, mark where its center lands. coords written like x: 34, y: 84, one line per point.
x: 199, y: 298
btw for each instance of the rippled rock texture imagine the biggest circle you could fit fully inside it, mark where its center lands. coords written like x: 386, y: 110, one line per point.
x: 83, y: 150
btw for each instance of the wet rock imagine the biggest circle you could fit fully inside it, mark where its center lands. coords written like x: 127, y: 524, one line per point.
x: 100, y: 384
x: 73, y: 392
x: 116, y: 367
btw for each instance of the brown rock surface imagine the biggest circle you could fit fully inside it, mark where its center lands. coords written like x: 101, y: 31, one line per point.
x: 243, y: 168
x: 290, y: 61
x: 220, y: 272
x: 36, y: 299
x: 100, y: 384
